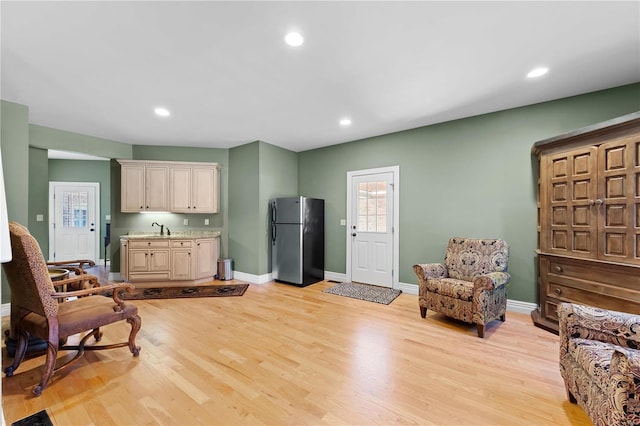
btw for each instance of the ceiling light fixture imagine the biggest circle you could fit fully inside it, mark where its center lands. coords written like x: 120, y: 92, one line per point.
x: 162, y: 112
x: 294, y: 39
x: 345, y: 122
x: 537, y: 72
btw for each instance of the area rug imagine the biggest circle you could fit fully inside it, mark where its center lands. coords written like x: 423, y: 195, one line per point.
x: 225, y: 290
x: 370, y: 293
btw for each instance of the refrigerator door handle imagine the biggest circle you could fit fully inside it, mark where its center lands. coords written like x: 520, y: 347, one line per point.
x: 273, y: 234
x: 274, y: 212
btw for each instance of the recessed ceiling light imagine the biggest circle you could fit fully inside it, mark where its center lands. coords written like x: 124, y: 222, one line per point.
x: 537, y: 72
x: 294, y: 39
x: 345, y: 122
x: 162, y: 112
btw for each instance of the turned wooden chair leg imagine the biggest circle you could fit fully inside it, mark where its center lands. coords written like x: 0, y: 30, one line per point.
x: 136, y: 323
x: 481, y: 330
x: 423, y: 311
x: 50, y: 363
x: 21, y: 351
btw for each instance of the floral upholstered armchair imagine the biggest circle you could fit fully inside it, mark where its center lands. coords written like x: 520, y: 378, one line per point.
x: 600, y: 363
x: 471, y: 284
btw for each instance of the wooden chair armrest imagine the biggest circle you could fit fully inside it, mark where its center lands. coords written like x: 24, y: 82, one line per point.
x: 117, y: 288
x: 75, y: 265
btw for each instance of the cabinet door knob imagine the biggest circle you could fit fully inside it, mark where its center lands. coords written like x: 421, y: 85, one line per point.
x: 557, y: 268
x: 558, y: 291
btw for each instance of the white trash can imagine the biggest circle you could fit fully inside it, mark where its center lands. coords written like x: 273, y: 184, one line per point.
x: 225, y: 271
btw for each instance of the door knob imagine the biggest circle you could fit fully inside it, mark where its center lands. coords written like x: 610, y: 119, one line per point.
x: 353, y: 235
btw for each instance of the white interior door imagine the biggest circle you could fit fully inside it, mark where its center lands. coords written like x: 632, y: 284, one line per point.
x: 372, y: 228
x: 74, y: 230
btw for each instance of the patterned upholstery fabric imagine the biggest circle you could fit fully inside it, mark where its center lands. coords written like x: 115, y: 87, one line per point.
x: 600, y: 363
x: 471, y: 284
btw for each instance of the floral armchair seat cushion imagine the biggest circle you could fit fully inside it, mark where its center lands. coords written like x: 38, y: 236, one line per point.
x: 600, y: 363
x: 470, y: 285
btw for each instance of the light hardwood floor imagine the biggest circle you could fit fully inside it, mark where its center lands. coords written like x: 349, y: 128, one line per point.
x: 285, y: 355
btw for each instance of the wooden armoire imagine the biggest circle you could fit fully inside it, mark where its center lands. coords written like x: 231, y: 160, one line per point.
x: 589, y: 219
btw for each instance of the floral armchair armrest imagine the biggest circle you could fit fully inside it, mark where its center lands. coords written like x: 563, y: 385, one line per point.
x: 430, y: 270
x: 618, y: 328
x: 490, y: 281
x: 624, y: 386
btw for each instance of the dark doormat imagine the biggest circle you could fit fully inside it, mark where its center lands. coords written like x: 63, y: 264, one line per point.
x: 40, y: 418
x: 370, y: 293
x: 217, y: 290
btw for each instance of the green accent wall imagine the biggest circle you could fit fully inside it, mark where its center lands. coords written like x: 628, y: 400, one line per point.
x: 14, y: 142
x: 258, y: 172
x: 39, y: 197
x: 278, y: 178
x: 244, y: 190
x: 473, y: 177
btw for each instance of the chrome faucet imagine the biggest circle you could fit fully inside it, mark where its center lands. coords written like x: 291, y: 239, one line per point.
x: 168, y: 231
x: 161, y: 227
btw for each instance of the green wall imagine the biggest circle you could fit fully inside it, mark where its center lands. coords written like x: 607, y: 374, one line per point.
x: 39, y: 197
x: 244, y: 187
x: 471, y: 177
x: 278, y: 178
x: 14, y: 141
x: 258, y: 172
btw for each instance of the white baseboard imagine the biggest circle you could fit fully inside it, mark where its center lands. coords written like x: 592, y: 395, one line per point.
x: 521, y: 307
x: 115, y: 277
x: 335, y: 276
x: 5, y: 309
x: 251, y: 278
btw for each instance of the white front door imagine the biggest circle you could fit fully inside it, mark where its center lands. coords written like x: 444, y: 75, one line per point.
x: 372, y: 228
x: 74, y: 230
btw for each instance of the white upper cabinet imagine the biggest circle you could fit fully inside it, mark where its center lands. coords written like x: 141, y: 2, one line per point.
x: 169, y: 186
x: 194, y: 188
x: 144, y: 187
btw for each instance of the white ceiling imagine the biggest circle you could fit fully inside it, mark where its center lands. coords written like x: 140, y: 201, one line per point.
x: 224, y: 71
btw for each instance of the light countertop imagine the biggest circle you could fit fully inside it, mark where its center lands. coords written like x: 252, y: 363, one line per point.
x: 178, y: 235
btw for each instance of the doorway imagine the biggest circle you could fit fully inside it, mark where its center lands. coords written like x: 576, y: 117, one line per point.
x: 373, y: 226
x: 74, y: 222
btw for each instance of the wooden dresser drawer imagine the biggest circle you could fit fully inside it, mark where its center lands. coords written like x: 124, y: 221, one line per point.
x: 181, y: 243
x: 160, y: 243
x: 588, y: 283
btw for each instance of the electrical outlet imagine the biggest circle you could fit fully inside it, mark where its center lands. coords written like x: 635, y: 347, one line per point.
x: 206, y: 221
x: 107, y: 217
x: 343, y: 222
x: 39, y: 217
x: 185, y: 222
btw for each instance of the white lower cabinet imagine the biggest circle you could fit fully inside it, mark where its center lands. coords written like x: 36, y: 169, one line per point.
x: 161, y: 259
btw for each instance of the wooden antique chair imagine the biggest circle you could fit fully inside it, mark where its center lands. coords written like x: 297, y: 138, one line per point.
x: 38, y: 312
x: 471, y: 284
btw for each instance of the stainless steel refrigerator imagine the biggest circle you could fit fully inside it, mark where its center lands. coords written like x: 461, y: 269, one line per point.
x: 297, y: 240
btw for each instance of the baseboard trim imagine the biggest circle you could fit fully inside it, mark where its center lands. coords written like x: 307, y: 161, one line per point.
x: 251, y: 278
x: 521, y: 307
x: 335, y: 276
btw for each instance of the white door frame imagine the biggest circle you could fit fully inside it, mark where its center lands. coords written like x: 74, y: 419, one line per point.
x: 396, y: 217
x: 52, y: 232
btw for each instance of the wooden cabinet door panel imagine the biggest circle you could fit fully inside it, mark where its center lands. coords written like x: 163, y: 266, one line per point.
x: 138, y: 260
x: 181, y: 261
x: 159, y: 260
x: 132, y: 189
x: 206, y: 258
x: 156, y: 188
x: 619, y: 201
x: 568, y: 213
x: 203, y: 192
x: 180, y: 189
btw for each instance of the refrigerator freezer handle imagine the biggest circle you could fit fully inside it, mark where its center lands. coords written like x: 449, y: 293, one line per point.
x: 273, y: 234
x: 274, y: 212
